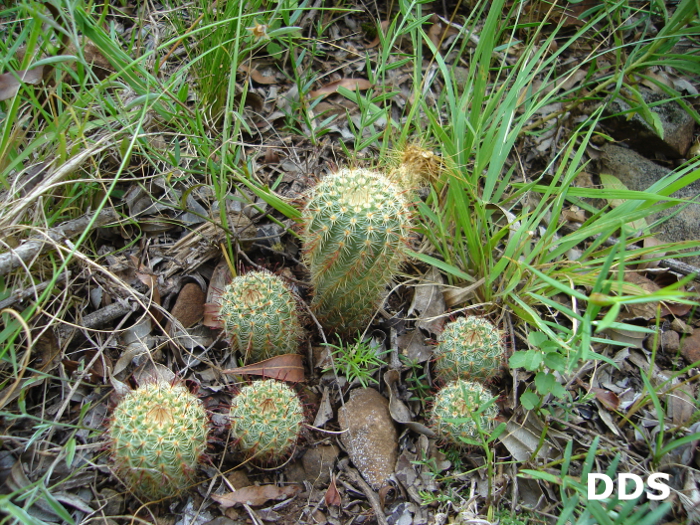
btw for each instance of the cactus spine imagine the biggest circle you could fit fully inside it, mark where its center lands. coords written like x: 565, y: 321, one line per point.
x: 266, y: 419
x: 259, y: 315
x: 453, y: 415
x: 469, y: 348
x: 356, y: 225
x: 158, y: 435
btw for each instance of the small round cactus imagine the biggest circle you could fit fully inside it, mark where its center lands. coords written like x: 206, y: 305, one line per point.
x: 469, y: 348
x: 357, y: 223
x: 266, y: 419
x: 158, y: 436
x: 259, y: 315
x: 453, y: 415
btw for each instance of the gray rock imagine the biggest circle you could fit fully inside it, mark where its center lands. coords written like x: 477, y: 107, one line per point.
x: 640, y: 135
x: 318, y: 463
x: 638, y: 173
x: 371, y: 438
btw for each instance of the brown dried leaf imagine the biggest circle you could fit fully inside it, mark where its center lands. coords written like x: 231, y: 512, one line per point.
x: 680, y: 405
x: 146, y: 276
x: 189, y: 307
x: 257, y: 76
x: 286, y: 367
x: 11, y: 82
x: 256, y: 495
x: 383, y: 27
x: 429, y: 302
x: 607, y: 398
x: 332, y: 496
x: 398, y: 409
x: 349, y: 83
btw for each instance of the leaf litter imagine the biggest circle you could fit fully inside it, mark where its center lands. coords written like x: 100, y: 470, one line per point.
x: 160, y: 286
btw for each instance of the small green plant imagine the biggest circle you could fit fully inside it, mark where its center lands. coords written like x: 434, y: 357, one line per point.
x: 357, y: 223
x: 158, y: 435
x: 358, y: 361
x: 462, y: 411
x: 469, y: 348
x: 266, y: 418
x: 259, y: 315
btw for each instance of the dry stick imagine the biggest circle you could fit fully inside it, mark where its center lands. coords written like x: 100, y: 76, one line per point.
x: 13, y: 259
x: 22, y: 295
x: 371, y: 495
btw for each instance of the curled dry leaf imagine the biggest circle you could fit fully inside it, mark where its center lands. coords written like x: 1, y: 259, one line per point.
x: 285, y: 367
x: 256, y: 495
x: 189, y: 307
x: 399, y: 411
x: 383, y: 27
x: 349, y: 83
x: 257, y: 76
x: 429, y: 302
x: 11, y: 82
x: 332, y: 496
x: 607, y: 398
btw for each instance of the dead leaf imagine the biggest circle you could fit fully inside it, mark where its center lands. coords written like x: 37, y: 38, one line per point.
x: 349, y: 83
x: 325, y: 409
x: 412, y: 346
x: 189, y: 307
x: 256, y: 495
x: 383, y: 27
x: 257, y: 76
x: 286, y: 367
x: 332, y: 497
x: 522, y: 437
x: 11, y: 82
x: 146, y: 276
x: 398, y: 410
x: 680, y: 404
x: 607, y: 398
x: 429, y: 302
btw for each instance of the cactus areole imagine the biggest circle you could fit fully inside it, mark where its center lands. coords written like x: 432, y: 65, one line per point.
x: 259, y: 315
x: 158, y: 435
x: 357, y: 224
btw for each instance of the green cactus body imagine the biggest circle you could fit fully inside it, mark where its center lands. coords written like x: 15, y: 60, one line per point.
x: 453, y: 412
x: 259, y: 315
x: 357, y: 223
x: 158, y: 435
x: 469, y: 348
x: 266, y: 419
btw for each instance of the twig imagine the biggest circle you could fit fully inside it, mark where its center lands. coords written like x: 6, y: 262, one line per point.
x: 16, y: 257
x: 372, y: 497
x: 22, y: 295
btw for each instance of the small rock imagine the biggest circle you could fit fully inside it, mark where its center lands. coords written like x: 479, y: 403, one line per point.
x: 681, y: 327
x: 371, y: 438
x: 690, y: 347
x: 677, y: 125
x: 238, y: 479
x: 113, y: 502
x: 296, y: 473
x: 318, y: 463
x: 638, y: 174
x: 670, y: 341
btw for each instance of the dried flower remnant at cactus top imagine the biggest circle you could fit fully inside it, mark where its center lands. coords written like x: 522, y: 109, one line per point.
x: 357, y: 223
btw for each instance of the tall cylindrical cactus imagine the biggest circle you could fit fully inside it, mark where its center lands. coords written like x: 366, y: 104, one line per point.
x: 259, y: 315
x: 158, y: 435
x: 266, y: 419
x: 357, y: 223
x: 469, y: 348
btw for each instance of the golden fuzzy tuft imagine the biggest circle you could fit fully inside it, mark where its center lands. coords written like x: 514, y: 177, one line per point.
x: 417, y: 166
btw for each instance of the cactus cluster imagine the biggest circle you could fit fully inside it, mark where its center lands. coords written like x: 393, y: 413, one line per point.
x: 158, y: 435
x: 259, y: 316
x: 453, y: 415
x: 469, y: 348
x: 266, y: 419
x: 357, y: 223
